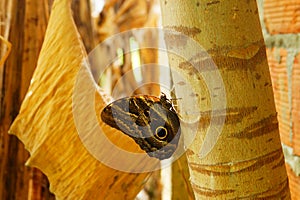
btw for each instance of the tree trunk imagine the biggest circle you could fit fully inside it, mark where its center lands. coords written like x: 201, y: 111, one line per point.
x: 241, y: 158
x: 25, y: 25
x: 13, y: 155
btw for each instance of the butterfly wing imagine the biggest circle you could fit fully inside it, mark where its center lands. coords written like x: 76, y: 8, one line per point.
x: 150, y: 121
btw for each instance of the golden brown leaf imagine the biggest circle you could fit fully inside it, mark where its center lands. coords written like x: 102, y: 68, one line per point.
x: 46, y: 126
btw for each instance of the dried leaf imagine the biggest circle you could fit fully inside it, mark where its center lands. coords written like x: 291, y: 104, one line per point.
x: 8, y: 44
x: 45, y: 123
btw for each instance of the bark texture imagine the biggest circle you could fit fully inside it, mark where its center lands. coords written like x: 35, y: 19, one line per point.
x: 24, y: 24
x: 245, y: 159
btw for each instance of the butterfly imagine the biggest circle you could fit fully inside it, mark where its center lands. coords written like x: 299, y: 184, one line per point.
x: 151, y: 121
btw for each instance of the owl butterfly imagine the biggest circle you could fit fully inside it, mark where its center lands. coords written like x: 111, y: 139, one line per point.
x: 151, y: 121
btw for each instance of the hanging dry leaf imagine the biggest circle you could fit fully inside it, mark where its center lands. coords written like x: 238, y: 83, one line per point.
x: 46, y: 123
x: 6, y: 54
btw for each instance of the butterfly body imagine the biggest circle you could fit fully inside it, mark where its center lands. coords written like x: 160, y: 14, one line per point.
x: 151, y: 121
